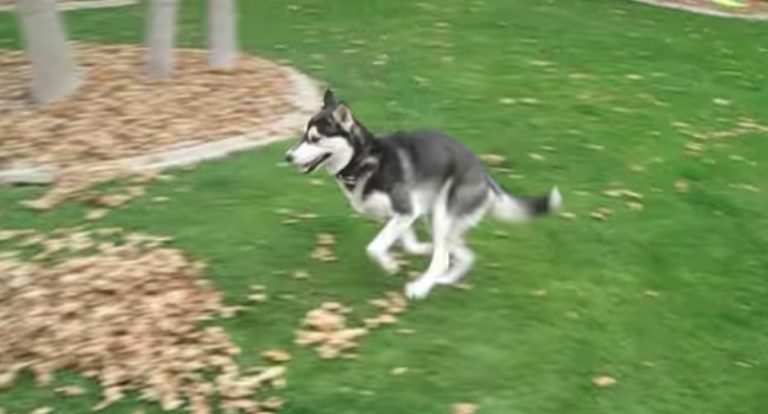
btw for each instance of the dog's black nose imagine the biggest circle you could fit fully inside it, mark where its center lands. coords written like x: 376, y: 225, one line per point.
x: 289, y: 157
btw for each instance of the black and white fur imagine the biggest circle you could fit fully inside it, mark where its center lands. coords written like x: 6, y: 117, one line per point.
x: 407, y: 175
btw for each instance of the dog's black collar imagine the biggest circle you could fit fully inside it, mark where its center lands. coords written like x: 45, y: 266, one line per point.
x: 347, y: 179
x: 350, y: 174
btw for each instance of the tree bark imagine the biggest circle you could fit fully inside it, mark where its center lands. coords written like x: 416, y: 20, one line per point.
x: 55, y: 75
x: 222, y: 33
x: 161, y: 36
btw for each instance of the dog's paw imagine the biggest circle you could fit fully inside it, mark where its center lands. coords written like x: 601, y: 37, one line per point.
x: 447, y: 280
x: 387, y: 262
x: 419, y: 249
x: 418, y: 289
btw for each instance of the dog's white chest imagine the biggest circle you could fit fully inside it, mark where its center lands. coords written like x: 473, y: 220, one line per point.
x: 375, y: 204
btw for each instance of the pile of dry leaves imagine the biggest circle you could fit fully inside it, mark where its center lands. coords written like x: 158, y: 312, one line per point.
x: 124, y: 310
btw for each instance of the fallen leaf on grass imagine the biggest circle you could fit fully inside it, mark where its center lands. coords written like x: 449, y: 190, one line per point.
x: 601, y: 213
x: 604, y: 381
x: 682, y: 186
x: 258, y: 297
x: 464, y: 408
x: 323, y: 254
x: 568, y: 215
x: 42, y: 410
x: 493, y: 160
x: 70, y: 390
x: 694, y: 147
x: 536, y: 157
x: 623, y: 192
x: 326, y: 239
x: 462, y: 286
x: 96, y: 214
x: 541, y: 63
x: 301, y: 274
x: 273, y: 403
x: 635, y: 206
x: 721, y: 102
x: 398, y: 371
x: 276, y: 355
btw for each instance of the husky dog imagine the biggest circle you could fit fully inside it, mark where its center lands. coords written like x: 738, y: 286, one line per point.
x: 407, y: 175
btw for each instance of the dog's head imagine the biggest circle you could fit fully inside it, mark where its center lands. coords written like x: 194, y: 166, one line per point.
x: 329, y: 138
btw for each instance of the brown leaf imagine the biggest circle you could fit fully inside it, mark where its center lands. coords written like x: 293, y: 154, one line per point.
x: 635, y: 206
x: 276, y: 355
x: 493, y: 160
x: 604, y: 381
x: 301, y: 274
x: 96, y: 214
x: 682, y: 186
x: 464, y: 408
x: 70, y: 390
x: 567, y: 215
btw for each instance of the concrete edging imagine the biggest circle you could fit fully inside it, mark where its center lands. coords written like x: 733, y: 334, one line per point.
x: 705, y: 11
x: 85, y: 4
x: 306, y: 96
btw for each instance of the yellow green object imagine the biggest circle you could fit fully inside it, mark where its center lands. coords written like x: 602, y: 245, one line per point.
x: 730, y: 3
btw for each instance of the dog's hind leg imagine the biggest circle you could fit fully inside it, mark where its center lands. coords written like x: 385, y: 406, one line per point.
x: 378, y: 249
x: 463, y: 260
x: 441, y: 231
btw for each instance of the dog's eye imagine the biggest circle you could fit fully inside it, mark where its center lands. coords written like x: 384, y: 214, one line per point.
x: 314, y: 138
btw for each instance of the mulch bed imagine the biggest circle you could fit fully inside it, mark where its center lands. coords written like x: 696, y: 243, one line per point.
x: 119, y: 112
x: 754, y: 9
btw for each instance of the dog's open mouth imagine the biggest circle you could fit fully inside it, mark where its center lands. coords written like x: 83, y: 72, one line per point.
x: 312, y: 165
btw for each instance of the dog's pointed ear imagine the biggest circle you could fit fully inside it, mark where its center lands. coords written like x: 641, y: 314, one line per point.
x: 329, y: 99
x: 343, y: 116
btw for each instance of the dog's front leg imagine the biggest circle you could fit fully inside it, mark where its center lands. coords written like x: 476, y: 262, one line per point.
x: 412, y: 245
x: 378, y: 249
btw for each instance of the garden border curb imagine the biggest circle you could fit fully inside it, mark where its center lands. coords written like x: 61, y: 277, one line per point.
x: 86, y: 4
x: 705, y: 11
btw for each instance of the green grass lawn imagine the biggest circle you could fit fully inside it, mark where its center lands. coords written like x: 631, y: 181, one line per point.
x: 584, y: 73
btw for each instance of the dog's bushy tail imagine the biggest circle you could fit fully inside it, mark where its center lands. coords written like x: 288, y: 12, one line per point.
x: 506, y: 207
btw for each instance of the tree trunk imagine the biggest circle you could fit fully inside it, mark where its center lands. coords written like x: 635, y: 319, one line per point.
x: 161, y: 34
x: 222, y: 33
x: 55, y: 75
